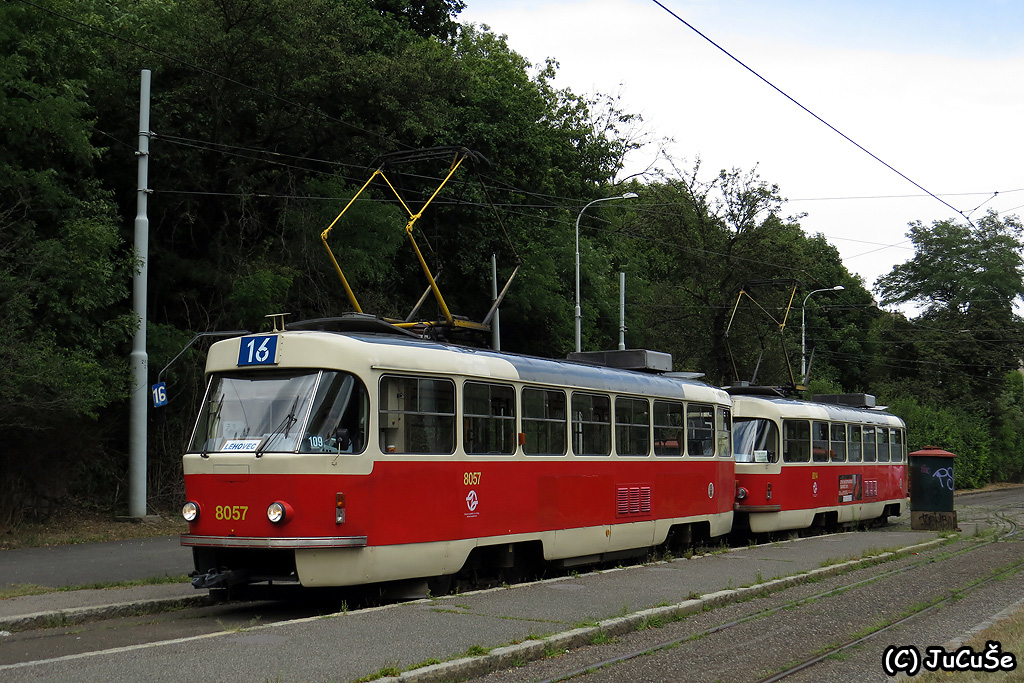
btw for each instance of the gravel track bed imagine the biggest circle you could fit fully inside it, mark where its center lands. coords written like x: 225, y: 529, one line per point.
x: 773, y: 641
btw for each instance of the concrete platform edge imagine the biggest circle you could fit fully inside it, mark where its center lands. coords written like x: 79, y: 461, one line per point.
x: 77, y: 615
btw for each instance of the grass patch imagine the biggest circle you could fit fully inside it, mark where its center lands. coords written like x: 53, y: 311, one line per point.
x: 383, y: 672
x: 1009, y: 632
x: 87, y: 527
x: 16, y: 590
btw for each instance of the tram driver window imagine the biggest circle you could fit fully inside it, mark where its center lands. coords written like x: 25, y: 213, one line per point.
x: 340, y: 414
x: 417, y: 415
x: 755, y: 439
x: 796, y: 440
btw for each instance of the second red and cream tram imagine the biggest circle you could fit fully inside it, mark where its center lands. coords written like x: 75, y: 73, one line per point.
x: 802, y: 464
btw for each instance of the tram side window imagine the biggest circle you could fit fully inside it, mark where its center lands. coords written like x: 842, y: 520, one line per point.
x: 489, y: 418
x: 591, y: 424
x: 897, y: 445
x: 870, y: 452
x: 756, y: 439
x: 838, y: 443
x: 854, y: 447
x: 632, y: 426
x: 417, y: 415
x: 796, y: 440
x: 544, y: 422
x: 700, y: 430
x: 668, y: 428
x: 883, y: 444
x: 340, y: 416
x: 723, y: 431
x: 819, y: 441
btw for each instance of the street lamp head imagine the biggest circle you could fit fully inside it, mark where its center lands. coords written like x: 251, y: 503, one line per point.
x: 838, y: 288
x: 630, y: 195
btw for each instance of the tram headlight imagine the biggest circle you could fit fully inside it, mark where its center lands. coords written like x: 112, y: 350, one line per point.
x: 190, y: 511
x: 741, y: 493
x: 279, y: 512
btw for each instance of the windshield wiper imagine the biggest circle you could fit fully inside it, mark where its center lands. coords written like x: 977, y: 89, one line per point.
x: 282, y: 428
x: 210, y: 421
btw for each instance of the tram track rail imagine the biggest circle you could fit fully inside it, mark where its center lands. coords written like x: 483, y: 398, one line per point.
x: 1012, y: 527
x: 924, y: 610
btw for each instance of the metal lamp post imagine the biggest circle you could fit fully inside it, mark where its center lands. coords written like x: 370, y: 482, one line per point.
x: 803, y: 328
x: 628, y: 195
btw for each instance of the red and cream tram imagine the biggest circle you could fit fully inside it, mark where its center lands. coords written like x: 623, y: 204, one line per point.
x: 802, y: 464
x: 335, y: 457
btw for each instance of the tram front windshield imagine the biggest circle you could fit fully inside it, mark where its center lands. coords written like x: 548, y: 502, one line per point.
x: 309, y: 411
x: 755, y: 439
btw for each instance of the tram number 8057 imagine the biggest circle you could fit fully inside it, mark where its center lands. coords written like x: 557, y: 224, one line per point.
x: 230, y: 512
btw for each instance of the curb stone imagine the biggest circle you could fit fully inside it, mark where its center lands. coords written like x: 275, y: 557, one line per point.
x: 78, y: 615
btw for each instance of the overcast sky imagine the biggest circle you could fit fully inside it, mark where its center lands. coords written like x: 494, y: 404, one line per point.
x: 934, y: 88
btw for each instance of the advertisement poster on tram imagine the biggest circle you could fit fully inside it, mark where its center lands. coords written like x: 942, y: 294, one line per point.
x: 850, y: 488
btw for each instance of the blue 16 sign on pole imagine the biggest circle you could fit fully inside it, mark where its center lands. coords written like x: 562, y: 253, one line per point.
x: 159, y: 394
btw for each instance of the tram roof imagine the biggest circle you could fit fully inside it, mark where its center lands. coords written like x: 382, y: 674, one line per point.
x: 789, y: 408
x: 401, y: 353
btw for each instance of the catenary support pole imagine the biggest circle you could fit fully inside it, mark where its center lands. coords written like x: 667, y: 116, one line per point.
x: 622, y: 310
x: 495, y: 322
x: 139, y: 406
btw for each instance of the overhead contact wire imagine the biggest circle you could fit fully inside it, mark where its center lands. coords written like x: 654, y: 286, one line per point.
x: 821, y: 120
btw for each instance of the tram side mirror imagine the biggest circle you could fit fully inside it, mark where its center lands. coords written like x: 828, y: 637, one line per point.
x: 343, y: 440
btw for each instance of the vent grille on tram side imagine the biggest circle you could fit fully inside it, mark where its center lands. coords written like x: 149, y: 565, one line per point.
x: 633, y: 500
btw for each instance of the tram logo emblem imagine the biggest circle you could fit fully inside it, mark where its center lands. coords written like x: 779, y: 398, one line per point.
x: 472, y: 501
x: 711, y: 490
x: 814, y: 488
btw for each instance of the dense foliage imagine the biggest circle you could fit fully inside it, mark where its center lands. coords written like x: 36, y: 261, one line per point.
x: 269, y: 114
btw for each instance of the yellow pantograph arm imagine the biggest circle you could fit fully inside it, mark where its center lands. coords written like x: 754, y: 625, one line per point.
x: 323, y: 238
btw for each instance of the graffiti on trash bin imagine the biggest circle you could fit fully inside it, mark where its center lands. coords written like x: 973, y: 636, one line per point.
x: 945, y: 477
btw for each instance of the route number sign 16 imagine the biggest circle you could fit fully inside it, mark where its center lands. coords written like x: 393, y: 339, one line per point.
x: 159, y: 392
x: 258, y: 350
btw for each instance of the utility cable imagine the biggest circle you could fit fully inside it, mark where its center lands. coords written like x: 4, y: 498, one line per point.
x: 821, y: 120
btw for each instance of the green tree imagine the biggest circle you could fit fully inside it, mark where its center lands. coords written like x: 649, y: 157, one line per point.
x: 63, y: 271
x: 710, y: 238
x: 957, y: 353
x: 959, y: 268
